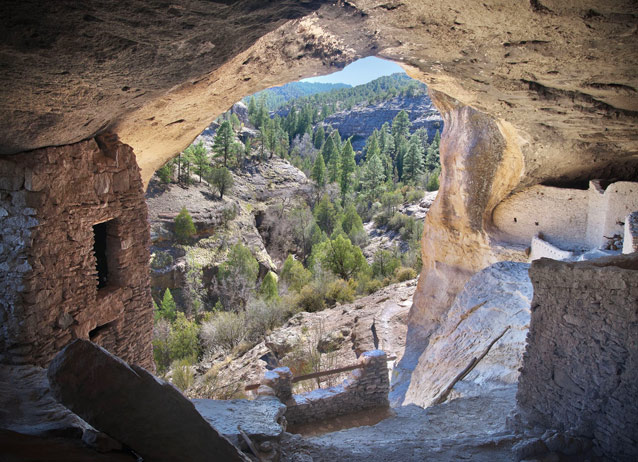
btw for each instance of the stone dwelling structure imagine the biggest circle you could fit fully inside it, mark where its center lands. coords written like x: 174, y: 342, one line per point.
x: 568, y: 218
x: 74, y: 253
x: 531, y: 93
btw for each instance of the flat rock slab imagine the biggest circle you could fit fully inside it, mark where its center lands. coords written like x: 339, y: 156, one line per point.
x: 134, y: 407
x: 259, y: 419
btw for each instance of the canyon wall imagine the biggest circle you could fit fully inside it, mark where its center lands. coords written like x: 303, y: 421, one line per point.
x: 580, y: 370
x: 56, y: 204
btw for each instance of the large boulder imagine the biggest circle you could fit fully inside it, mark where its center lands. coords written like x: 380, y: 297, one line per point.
x: 136, y: 408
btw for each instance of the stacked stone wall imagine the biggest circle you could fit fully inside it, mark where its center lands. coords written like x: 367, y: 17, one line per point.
x: 50, y: 199
x: 365, y: 388
x: 580, y: 370
x: 630, y: 239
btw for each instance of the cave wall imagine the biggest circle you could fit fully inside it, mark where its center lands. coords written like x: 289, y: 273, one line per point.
x: 580, y: 369
x: 50, y: 200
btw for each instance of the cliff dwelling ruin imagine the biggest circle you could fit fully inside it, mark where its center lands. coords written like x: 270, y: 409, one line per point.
x: 539, y: 154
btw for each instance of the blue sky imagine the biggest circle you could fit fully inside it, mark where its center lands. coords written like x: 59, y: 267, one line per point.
x: 360, y: 72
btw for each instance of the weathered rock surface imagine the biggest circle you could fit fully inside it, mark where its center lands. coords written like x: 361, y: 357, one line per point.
x: 469, y: 428
x: 143, y: 412
x: 27, y: 406
x: 260, y: 419
x: 161, y: 85
x: 483, y: 335
x: 363, y: 119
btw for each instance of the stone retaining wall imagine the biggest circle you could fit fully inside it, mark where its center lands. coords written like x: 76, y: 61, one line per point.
x: 50, y: 201
x: 365, y: 388
x: 580, y: 370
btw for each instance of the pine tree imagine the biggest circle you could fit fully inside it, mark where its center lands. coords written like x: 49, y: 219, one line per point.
x: 221, y: 179
x: 224, y: 141
x: 319, y: 137
x: 400, y: 128
x: 319, y: 171
x: 325, y: 215
x: 198, y: 155
x: 372, y: 145
x: 413, y: 160
x: 347, y: 167
x: 373, y: 177
x: 329, y: 150
x: 168, y: 307
x: 252, y: 107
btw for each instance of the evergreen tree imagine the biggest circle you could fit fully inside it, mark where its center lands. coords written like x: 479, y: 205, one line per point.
x: 342, y: 257
x: 329, y: 150
x: 252, y: 107
x: 294, y: 275
x: 400, y: 128
x: 165, y: 172
x: 184, y: 227
x: 168, y: 308
x: 269, y: 290
x: 198, y: 155
x: 221, y: 179
x: 347, y: 167
x: 351, y: 223
x: 325, y: 215
x: 372, y: 145
x: 319, y: 137
x: 402, y: 150
x: 237, y: 277
x: 413, y: 160
x: 224, y: 141
x: 319, y: 171
x: 373, y: 177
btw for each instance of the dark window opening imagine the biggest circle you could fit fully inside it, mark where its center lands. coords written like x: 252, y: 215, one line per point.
x: 100, y: 329
x: 100, y: 250
x: 515, y: 220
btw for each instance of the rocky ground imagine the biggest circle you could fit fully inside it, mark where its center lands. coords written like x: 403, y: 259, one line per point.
x: 338, y: 334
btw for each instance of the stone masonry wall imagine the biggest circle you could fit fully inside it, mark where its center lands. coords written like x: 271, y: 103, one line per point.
x: 580, y: 370
x: 366, y: 388
x: 50, y: 199
x: 630, y: 240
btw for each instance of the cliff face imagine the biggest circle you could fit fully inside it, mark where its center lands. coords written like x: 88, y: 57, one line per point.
x: 545, y: 92
x: 362, y: 120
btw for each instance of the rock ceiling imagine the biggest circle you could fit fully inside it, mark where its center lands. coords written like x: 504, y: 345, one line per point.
x: 564, y: 74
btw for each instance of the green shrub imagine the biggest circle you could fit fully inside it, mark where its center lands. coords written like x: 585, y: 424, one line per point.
x: 183, y: 376
x: 161, y: 348
x: 339, y: 291
x: 404, y: 274
x: 310, y: 299
x: 414, y: 195
x: 433, y: 180
x: 294, y: 275
x: 384, y: 263
x: 184, y: 227
x: 262, y: 317
x: 224, y: 331
x: 184, y: 342
x: 398, y: 221
x: 269, y: 290
x: 161, y: 260
x: 165, y: 173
